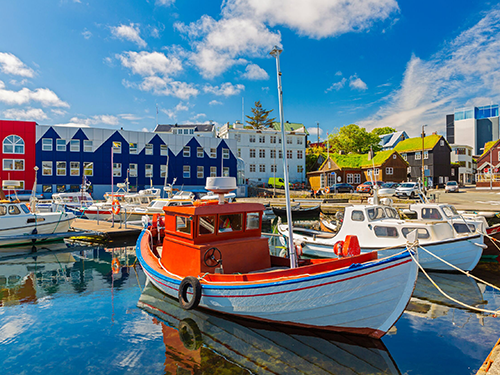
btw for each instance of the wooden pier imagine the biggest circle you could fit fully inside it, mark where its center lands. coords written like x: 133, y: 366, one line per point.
x: 106, y: 229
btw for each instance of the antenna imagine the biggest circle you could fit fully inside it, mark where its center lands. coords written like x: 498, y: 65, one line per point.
x: 242, y: 110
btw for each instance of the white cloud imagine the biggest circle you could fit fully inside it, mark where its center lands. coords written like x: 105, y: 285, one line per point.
x: 357, y: 84
x: 313, y: 131
x: 10, y: 64
x: 255, y: 72
x: 150, y: 63
x: 172, y: 113
x: 130, y: 33
x: 45, y: 97
x: 130, y: 117
x: 58, y: 112
x: 215, y: 102
x: 199, y: 116
x: 33, y: 114
x: 95, y: 120
x: 165, y: 86
x: 87, y: 34
x: 22, y: 82
x: 226, y: 89
x: 466, y: 68
x: 337, y: 85
x: 165, y: 3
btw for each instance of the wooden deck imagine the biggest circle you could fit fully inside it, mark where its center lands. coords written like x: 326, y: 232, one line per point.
x: 105, y: 228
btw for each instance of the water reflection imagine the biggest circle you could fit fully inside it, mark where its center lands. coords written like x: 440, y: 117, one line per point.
x: 196, y: 341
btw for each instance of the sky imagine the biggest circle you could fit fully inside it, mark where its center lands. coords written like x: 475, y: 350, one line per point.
x: 133, y: 64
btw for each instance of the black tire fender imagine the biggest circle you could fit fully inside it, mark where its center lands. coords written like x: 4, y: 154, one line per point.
x: 190, y: 334
x: 195, y: 285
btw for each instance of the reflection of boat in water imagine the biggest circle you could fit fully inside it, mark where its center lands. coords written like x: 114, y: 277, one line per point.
x: 428, y: 302
x: 212, y: 342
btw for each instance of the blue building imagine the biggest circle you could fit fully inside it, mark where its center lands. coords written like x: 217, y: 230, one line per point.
x: 66, y: 155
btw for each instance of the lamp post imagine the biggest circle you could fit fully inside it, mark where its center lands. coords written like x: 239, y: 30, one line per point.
x: 491, y: 168
x: 423, y: 174
x: 291, y: 250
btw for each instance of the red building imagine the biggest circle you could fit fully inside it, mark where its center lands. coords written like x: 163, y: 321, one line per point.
x: 18, y: 152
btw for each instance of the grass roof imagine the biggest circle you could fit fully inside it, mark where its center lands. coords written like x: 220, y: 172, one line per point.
x: 290, y: 126
x: 415, y: 144
x: 487, y: 146
x: 359, y: 160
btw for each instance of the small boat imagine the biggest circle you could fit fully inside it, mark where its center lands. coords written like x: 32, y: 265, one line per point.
x: 74, y: 202
x: 212, y: 255
x: 197, y: 341
x: 298, y: 212
x: 19, y: 225
x: 379, y: 227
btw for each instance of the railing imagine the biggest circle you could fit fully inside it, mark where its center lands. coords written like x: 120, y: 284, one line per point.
x: 487, y: 177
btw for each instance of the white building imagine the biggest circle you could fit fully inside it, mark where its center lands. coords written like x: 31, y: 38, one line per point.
x: 200, y: 130
x: 462, y: 155
x: 261, y: 150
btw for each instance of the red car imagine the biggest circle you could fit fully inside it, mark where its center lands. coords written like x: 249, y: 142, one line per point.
x: 366, y: 187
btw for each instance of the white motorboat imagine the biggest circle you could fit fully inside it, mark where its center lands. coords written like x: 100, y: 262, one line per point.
x: 74, y: 202
x: 379, y: 227
x: 19, y: 225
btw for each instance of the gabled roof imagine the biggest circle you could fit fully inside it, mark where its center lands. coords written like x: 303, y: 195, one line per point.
x: 197, y: 127
x: 291, y: 127
x: 415, y: 144
x: 360, y: 160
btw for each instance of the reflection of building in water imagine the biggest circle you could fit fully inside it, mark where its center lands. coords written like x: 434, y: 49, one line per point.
x: 197, y: 342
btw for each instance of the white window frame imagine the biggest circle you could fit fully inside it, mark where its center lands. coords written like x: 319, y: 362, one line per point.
x: 252, y: 153
x: 262, y: 153
x: 225, y: 153
x: 60, y: 145
x: 74, y: 145
x: 252, y: 168
x: 46, y: 166
x: 262, y: 168
x: 199, y: 152
x: 13, y: 162
x: 163, y: 150
x: 186, y: 171
x: 213, y: 171
x: 299, y: 154
x: 46, y: 146
x: 132, y: 170
x: 289, y: 154
x: 273, y: 139
x: 186, y: 151
x: 74, y: 168
x: 148, y: 147
x: 273, y: 154
x: 88, y: 145
x: 350, y: 178
x: 132, y: 148
x: 148, y: 170
x: 225, y: 172
x: 163, y: 170
x: 300, y: 168
x: 418, y: 155
x: 118, y: 148
x: 213, y: 153
x: 299, y: 140
x: 389, y: 170
x: 357, y: 178
x: 426, y: 155
x: 13, y: 141
x: 200, y: 173
x: 117, y: 169
x: 88, y: 168
x: 58, y: 169
x: 273, y: 168
x: 251, y: 139
x: 262, y: 139
x: 289, y: 140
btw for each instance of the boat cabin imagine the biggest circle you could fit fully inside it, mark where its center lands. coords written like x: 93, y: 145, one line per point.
x: 209, y: 237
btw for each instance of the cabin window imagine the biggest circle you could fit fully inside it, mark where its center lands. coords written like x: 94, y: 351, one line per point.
x: 14, y: 210
x: 35, y: 220
x: 422, y: 233
x: 375, y: 213
x: 183, y: 224
x: 450, y: 211
x: 357, y: 216
x: 253, y: 220
x: 230, y: 223
x: 391, y: 213
x: 385, y: 231
x: 431, y: 213
x: 206, y: 225
x: 464, y: 228
x: 3, y: 210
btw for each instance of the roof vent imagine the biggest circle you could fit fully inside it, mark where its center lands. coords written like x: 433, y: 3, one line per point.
x: 221, y: 186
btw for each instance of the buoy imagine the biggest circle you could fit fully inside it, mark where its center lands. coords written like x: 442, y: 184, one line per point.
x: 337, y: 248
x: 115, y: 207
x: 115, y: 265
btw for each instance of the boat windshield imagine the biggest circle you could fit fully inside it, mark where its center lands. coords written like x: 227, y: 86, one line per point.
x: 391, y: 213
x: 375, y: 213
x: 450, y: 211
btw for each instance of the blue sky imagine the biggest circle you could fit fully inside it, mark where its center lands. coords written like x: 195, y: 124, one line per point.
x: 369, y: 62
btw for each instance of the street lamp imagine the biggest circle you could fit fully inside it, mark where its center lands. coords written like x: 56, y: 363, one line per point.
x: 293, y: 256
x: 423, y: 174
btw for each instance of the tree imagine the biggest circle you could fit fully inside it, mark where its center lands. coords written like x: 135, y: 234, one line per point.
x: 384, y: 130
x: 260, y: 118
x: 352, y: 138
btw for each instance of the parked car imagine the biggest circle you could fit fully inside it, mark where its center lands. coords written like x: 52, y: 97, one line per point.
x: 341, y: 188
x: 23, y: 195
x: 366, y: 187
x: 279, y: 182
x: 388, y: 189
x: 451, y: 187
x: 407, y: 190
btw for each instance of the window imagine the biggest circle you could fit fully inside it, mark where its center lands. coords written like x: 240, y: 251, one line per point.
x: 405, y: 156
x: 46, y: 144
x: 200, y: 173
x: 14, y: 210
x: 61, y: 168
x: 418, y: 155
x: 132, y: 170
x: 357, y: 178
x: 422, y: 233
x: 389, y: 170
x: 385, y: 231
x: 289, y: 154
x: 199, y: 152
x: 357, y: 216
x: 47, y: 188
x: 299, y: 140
x: 431, y: 213
x: 46, y: 168
x: 440, y: 179
x: 252, y: 153
x: 225, y: 153
x: 262, y: 168
x: 252, y: 167
x: 213, y: 152
x: 300, y: 168
x: 253, y: 220
x: 13, y: 144
x: 186, y: 171
x: 350, y: 178
x: 280, y: 154
x: 186, y: 151
x: 13, y: 164
x: 60, y: 145
x: 225, y: 172
x: 206, y: 225
x: 377, y: 172
x: 183, y: 224
x: 60, y: 188
x: 262, y: 153
x: 394, y: 156
x: 408, y: 170
x: 148, y: 172
x: 213, y: 171
x: 273, y: 154
x: 453, y: 171
x: 149, y: 149
x: 163, y: 150
x: 299, y: 154
x: 163, y: 170
x: 375, y: 213
x: 74, y: 168
x: 230, y: 223
x: 441, y: 142
x: 74, y: 145
x: 273, y: 168
x: 117, y: 169
x: 239, y: 152
x: 273, y: 139
x: 262, y: 139
x: 117, y: 147
x: 279, y: 139
x: 289, y: 140
x: 237, y: 137
x: 426, y: 167
x: 426, y: 154
x: 252, y: 139
x: 132, y: 147
x: 88, y: 168
x: 87, y: 146
x: 469, y: 163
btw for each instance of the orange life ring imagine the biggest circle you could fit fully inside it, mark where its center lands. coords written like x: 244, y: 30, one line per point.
x: 115, y: 265
x: 115, y: 207
x: 327, y: 190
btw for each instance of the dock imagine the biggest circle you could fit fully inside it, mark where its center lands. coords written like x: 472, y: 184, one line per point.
x: 106, y: 229
x: 491, y: 365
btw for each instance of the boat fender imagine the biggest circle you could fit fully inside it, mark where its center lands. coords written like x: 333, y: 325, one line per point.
x: 298, y: 249
x: 115, y: 207
x: 115, y: 265
x: 351, y: 246
x: 194, y: 284
x: 327, y: 190
x: 337, y: 248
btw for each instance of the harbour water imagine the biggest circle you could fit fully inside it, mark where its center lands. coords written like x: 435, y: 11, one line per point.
x: 70, y: 312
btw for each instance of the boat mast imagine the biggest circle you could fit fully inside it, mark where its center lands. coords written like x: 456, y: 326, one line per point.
x: 291, y: 248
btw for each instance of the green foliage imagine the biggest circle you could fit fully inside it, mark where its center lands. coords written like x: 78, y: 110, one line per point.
x: 260, y: 119
x: 382, y: 131
x: 352, y: 138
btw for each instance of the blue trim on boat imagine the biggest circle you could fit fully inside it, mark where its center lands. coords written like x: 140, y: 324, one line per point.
x: 339, y: 272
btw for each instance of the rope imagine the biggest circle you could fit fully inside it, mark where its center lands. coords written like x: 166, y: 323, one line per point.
x: 493, y: 312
